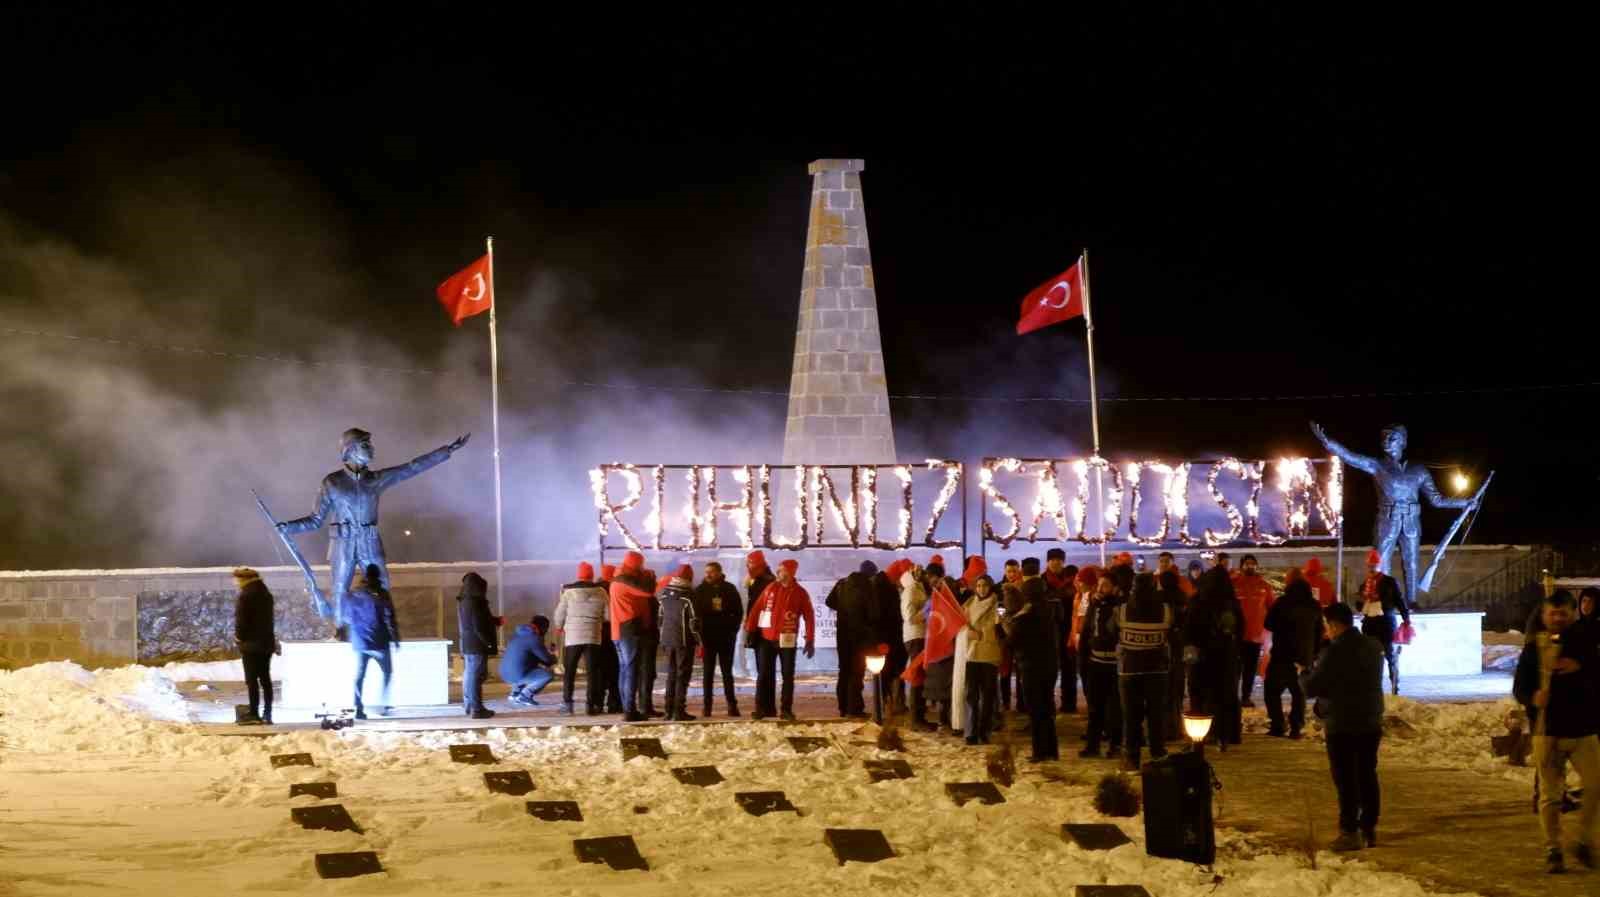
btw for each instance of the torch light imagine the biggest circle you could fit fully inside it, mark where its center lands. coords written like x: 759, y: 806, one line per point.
x: 875, y: 667
x: 1462, y: 482
x: 1197, y: 726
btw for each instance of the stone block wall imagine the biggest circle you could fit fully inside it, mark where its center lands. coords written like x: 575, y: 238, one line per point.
x: 838, y: 397
x: 77, y: 618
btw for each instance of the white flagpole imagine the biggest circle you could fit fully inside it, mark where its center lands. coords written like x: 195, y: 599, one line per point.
x: 1094, y: 398
x: 494, y: 392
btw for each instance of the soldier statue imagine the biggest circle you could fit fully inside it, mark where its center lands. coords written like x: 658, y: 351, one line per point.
x: 348, y: 503
x: 1401, y: 486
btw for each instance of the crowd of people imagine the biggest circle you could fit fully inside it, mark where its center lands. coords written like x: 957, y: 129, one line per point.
x: 958, y: 652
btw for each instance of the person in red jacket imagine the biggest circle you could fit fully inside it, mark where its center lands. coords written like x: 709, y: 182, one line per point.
x: 1255, y: 597
x: 630, y: 621
x: 1319, y: 583
x: 775, y: 617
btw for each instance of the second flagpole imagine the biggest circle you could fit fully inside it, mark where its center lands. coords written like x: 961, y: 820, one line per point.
x: 1094, y: 401
x: 494, y: 393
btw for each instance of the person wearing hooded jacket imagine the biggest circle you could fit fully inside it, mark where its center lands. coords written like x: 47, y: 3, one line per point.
x: 757, y: 577
x: 854, y: 604
x: 527, y: 662
x: 479, y: 642
x: 1255, y: 599
x: 1320, y: 586
x: 1381, y: 602
x: 679, y: 633
x: 721, y: 613
x: 1098, y: 658
x: 776, y: 616
x: 629, y: 609
x: 1059, y: 587
x: 610, y: 666
x: 581, y: 620
x: 886, y: 594
x: 1211, y: 650
x: 1295, y: 622
x: 913, y: 630
x: 253, y: 632
x: 982, y: 611
x: 373, y: 632
x: 1031, y: 630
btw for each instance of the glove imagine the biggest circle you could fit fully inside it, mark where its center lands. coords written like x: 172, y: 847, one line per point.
x: 1191, y: 654
x: 699, y: 652
x: 811, y: 651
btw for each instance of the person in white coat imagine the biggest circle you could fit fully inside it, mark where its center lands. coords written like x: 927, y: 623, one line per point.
x: 979, y: 645
x: 914, y: 631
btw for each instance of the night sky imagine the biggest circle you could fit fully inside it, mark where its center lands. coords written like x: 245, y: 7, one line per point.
x: 1287, y: 214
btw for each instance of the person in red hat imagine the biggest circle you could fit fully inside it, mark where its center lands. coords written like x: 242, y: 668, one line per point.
x: 757, y: 577
x: 1255, y: 598
x: 1381, y: 602
x: 609, y: 665
x: 775, y: 617
x: 580, y: 620
x: 631, y: 594
x: 1320, y: 586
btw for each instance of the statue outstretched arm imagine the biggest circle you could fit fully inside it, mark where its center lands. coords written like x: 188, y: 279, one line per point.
x: 1430, y: 489
x: 1362, y: 463
x: 312, y: 521
x: 389, y: 476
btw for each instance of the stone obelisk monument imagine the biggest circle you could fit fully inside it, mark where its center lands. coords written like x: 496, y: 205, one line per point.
x: 838, y: 399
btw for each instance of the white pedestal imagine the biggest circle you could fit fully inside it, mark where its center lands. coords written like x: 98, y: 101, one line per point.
x: 323, y: 672
x: 1446, y: 644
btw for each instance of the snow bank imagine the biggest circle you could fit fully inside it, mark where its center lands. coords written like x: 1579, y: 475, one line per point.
x: 61, y: 706
x: 213, y: 671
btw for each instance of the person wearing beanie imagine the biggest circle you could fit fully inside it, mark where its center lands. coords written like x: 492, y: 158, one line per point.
x: 679, y: 633
x: 373, y: 632
x: 1320, y: 586
x: 1295, y: 622
x: 1011, y: 664
x: 776, y: 617
x: 757, y: 577
x: 976, y: 567
x: 982, y: 660
x: 629, y: 611
x: 1211, y: 635
x: 1031, y: 632
x: 939, y: 685
x: 1097, y: 660
x: 886, y: 596
x: 253, y: 632
x: 1059, y: 588
x: 527, y: 662
x: 720, y: 611
x: 1381, y: 601
x: 580, y: 620
x: 854, y: 603
x: 609, y: 665
x: 1255, y: 598
x: 480, y: 641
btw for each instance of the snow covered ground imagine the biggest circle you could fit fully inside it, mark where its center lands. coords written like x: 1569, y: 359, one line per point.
x: 105, y: 788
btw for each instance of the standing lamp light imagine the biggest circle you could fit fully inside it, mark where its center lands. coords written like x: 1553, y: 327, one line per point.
x: 875, y: 667
x: 1197, y: 726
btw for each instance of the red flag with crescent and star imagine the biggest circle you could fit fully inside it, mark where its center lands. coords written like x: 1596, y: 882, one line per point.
x: 1058, y: 299
x: 468, y: 292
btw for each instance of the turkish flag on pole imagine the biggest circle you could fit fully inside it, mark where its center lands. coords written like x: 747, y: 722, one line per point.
x: 468, y: 292
x: 1057, y: 299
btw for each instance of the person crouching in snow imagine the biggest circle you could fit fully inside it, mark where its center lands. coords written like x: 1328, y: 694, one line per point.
x: 527, y: 662
x: 679, y: 633
x: 480, y: 640
x: 775, y: 618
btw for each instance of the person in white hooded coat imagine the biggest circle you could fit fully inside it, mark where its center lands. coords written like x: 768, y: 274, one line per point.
x: 979, y: 644
x: 914, y: 631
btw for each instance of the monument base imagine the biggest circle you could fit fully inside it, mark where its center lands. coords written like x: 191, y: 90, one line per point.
x: 1446, y: 644
x: 321, y: 673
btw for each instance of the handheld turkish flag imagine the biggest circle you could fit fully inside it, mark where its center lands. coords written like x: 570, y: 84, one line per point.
x: 1058, y: 299
x: 468, y: 292
x: 944, y: 624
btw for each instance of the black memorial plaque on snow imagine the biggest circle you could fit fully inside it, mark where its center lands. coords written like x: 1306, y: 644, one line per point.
x: 471, y: 753
x: 700, y: 776
x: 760, y: 803
x: 347, y: 865
x: 860, y: 845
x: 1095, y: 835
x: 887, y: 770
x: 555, y: 810
x: 642, y: 747
x: 325, y: 817
x: 1109, y: 891
x: 618, y: 852
x: 314, y: 789
x: 805, y: 744
x: 964, y: 793
x: 279, y: 761
x: 515, y: 783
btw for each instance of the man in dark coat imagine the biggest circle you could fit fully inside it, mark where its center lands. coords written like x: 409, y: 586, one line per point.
x: 479, y: 642
x: 527, y: 662
x: 717, y: 605
x: 1295, y: 621
x: 886, y: 593
x: 678, y: 632
x: 1031, y: 630
x: 855, y: 608
x: 373, y: 632
x: 252, y: 630
x: 1556, y: 680
x: 1348, y: 685
x: 1059, y: 587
